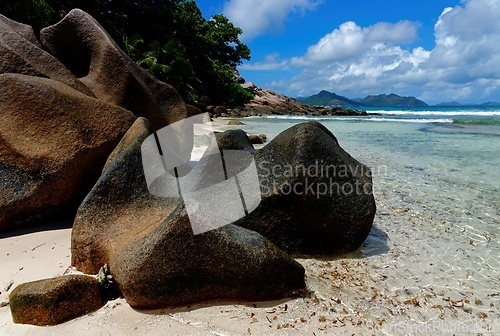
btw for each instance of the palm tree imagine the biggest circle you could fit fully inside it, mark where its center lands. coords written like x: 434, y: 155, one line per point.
x: 168, y: 62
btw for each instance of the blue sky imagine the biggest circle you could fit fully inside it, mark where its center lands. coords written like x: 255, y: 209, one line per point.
x: 436, y: 50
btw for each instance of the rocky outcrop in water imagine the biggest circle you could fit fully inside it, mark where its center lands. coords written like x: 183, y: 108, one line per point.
x: 340, y: 111
x: 267, y: 102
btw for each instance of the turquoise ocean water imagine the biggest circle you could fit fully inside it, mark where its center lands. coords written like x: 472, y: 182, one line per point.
x: 436, y: 178
x: 454, y: 149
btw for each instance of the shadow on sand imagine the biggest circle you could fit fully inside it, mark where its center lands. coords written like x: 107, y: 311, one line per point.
x: 271, y: 304
x: 65, y: 223
x: 375, y: 244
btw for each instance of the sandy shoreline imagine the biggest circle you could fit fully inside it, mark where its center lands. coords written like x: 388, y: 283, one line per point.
x: 46, y: 253
x: 27, y: 256
x: 382, y: 289
x: 347, y: 295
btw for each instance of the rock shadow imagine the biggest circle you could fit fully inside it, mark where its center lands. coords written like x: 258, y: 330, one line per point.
x: 271, y: 304
x: 60, y: 224
x: 375, y: 244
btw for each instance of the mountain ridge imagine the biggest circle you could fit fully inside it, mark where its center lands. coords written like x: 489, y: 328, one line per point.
x: 325, y: 98
x: 458, y: 104
x: 392, y: 100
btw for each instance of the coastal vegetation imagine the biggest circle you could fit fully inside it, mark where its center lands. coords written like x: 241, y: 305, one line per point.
x: 170, y: 38
x: 36, y: 13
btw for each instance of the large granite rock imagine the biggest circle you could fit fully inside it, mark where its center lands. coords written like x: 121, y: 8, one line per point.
x: 316, y: 198
x: 235, y: 140
x: 87, y: 50
x: 120, y: 198
x: 54, y: 301
x: 20, y: 52
x: 172, y: 267
x: 54, y: 141
x: 155, y: 258
x: 256, y: 139
x: 24, y: 31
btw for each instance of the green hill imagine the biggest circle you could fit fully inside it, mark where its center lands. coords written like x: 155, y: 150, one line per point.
x: 449, y: 104
x: 325, y: 98
x: 392, y: 100
x: 491, y: 104
x: 457, y: 104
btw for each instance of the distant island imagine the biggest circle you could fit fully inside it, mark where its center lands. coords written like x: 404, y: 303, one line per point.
x: 457, y: 104
x: 325, y: 98
x: 392, y: 100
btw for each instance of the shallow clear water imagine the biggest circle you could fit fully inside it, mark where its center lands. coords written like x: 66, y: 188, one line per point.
x: 436, y: 241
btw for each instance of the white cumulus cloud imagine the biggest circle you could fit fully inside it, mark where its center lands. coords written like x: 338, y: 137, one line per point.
x: 463, y: 65
x: 352, y: 41
x: 256, y: 17
x: 271, y: 62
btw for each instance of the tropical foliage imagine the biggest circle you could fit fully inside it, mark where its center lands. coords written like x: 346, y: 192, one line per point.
x: 36, y: 13
x: 168, y: 62
x: 169, y: 38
